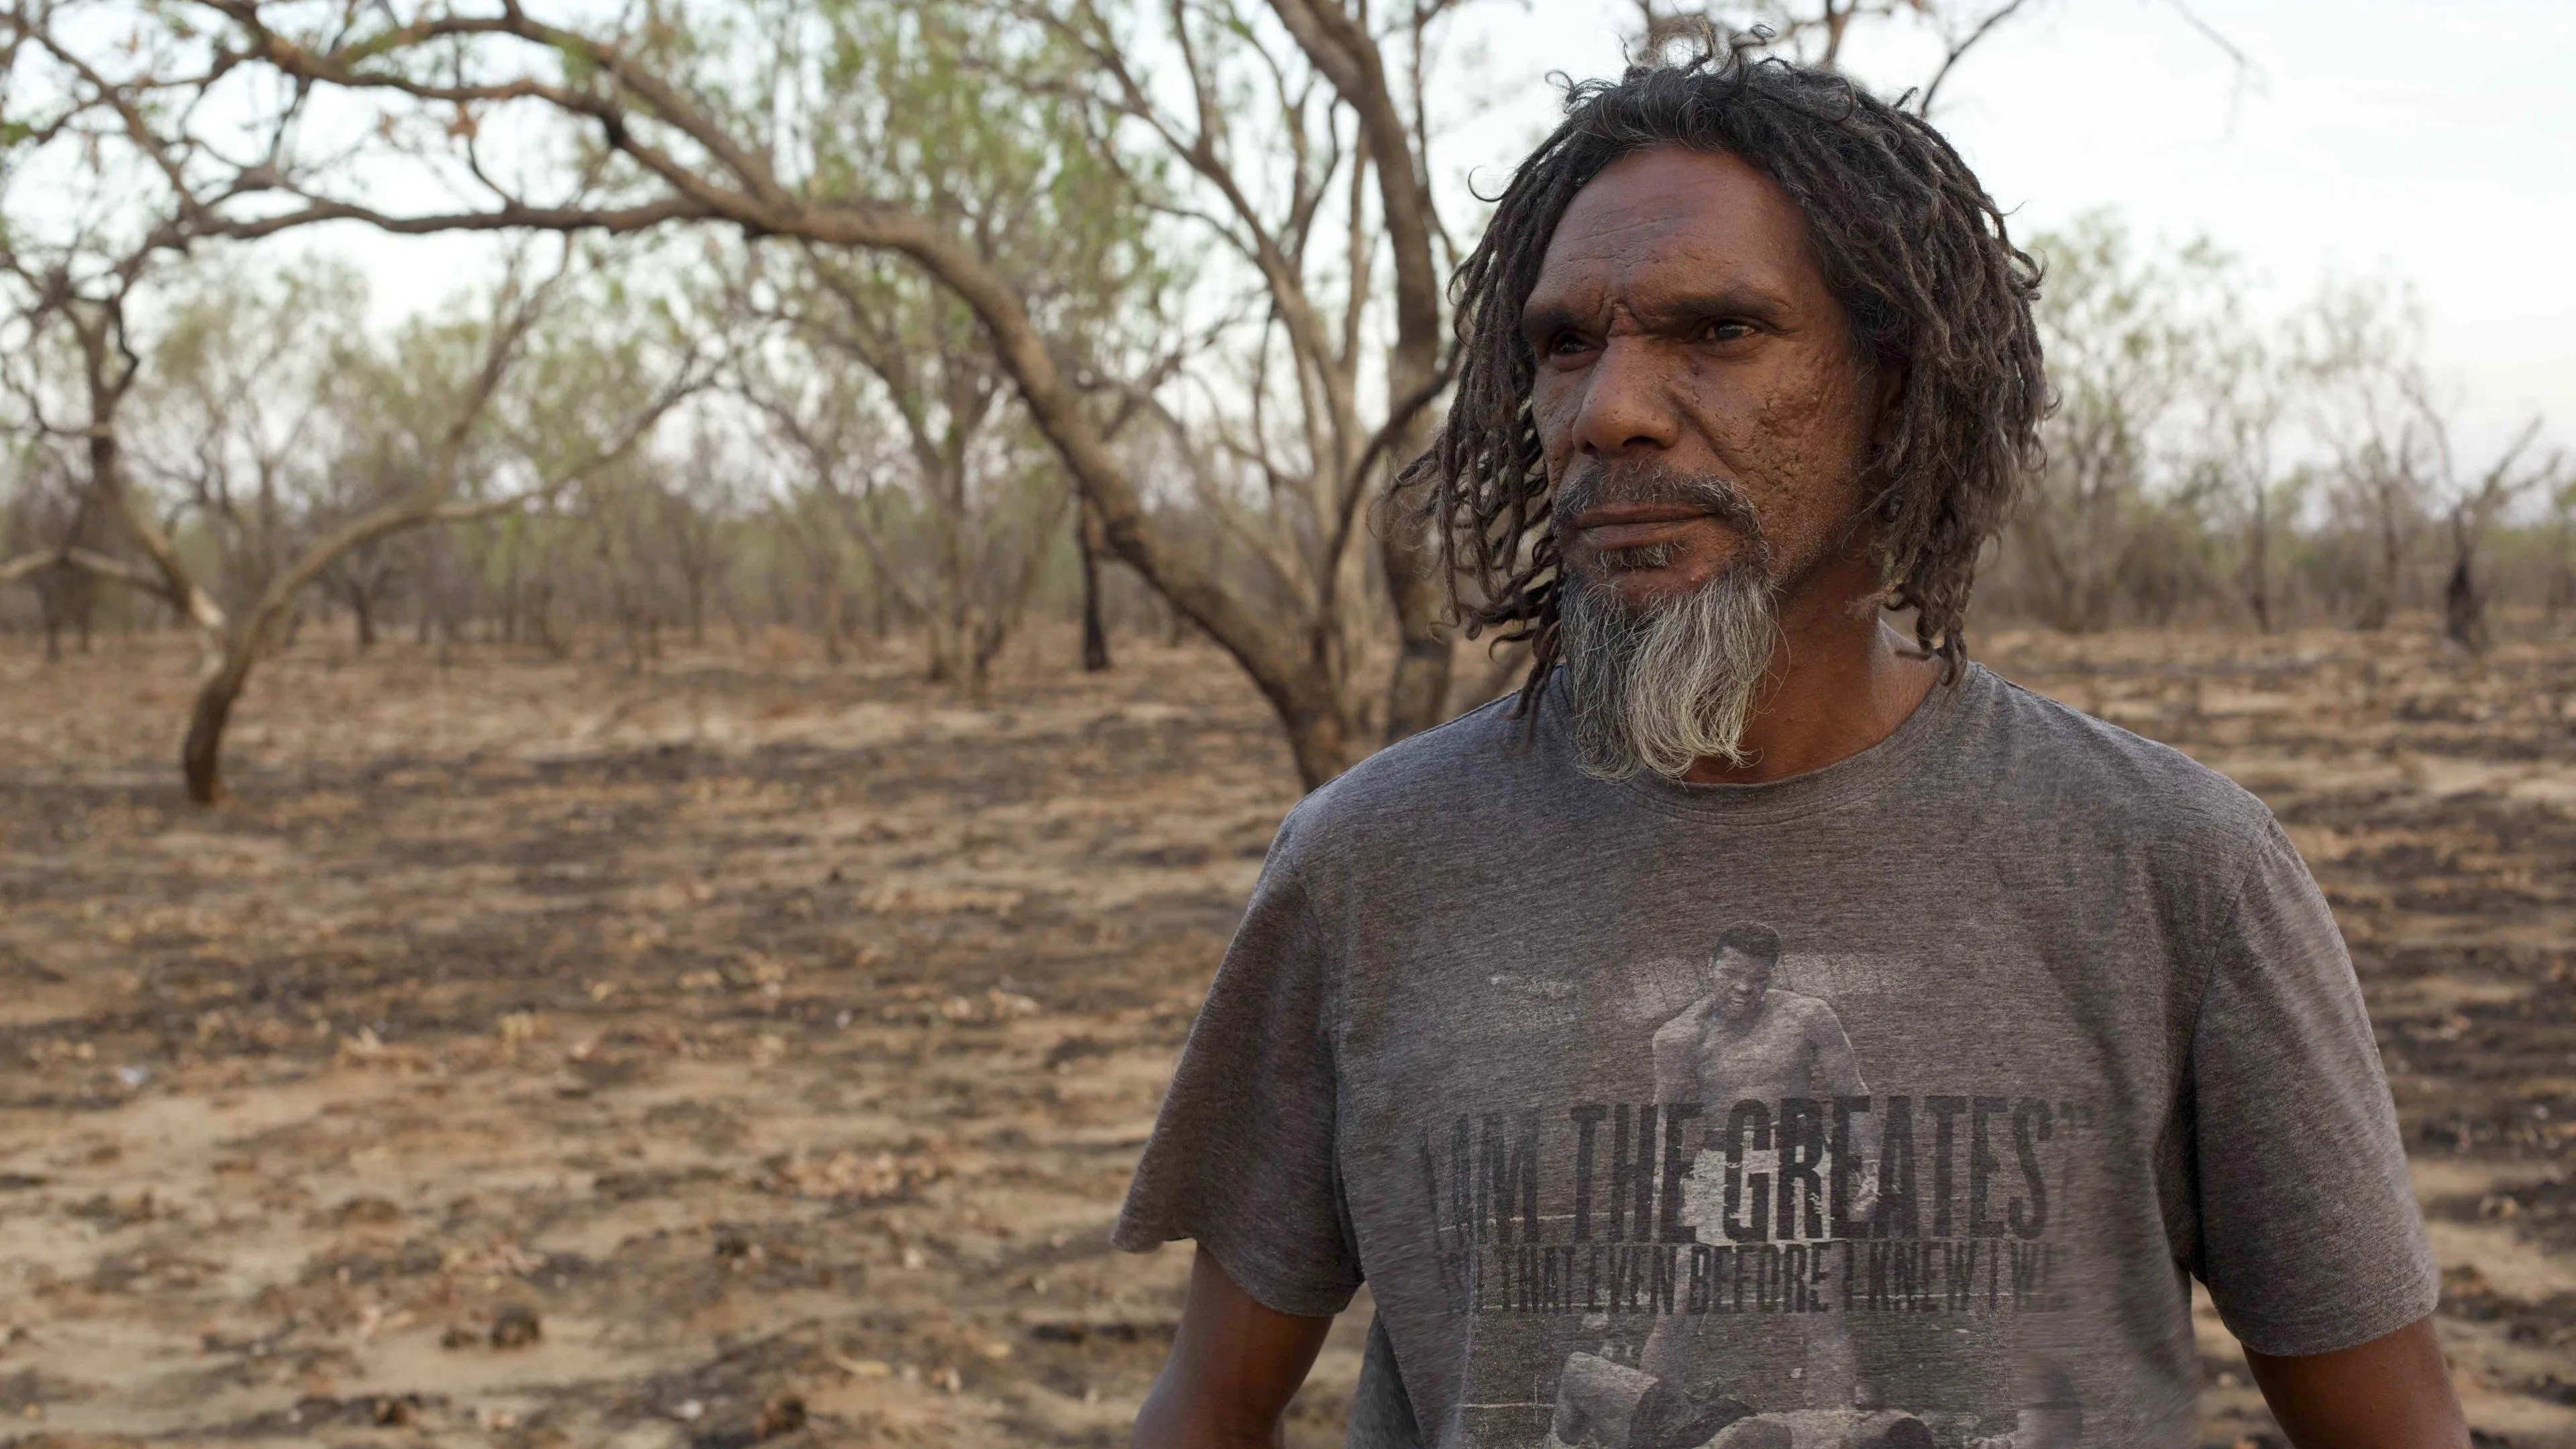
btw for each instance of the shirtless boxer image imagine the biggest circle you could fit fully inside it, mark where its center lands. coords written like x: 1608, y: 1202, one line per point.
x: 1747, y: 1040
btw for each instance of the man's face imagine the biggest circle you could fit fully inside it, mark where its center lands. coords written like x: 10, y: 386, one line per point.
x: 1697, y: 393
x: 1739, y: 984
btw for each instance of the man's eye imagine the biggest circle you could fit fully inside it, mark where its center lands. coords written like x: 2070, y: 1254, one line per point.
x: 1725, y: 331
x: 1567, y: 344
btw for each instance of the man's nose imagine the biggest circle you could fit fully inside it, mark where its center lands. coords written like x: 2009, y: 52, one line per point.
x: 1627, y: 402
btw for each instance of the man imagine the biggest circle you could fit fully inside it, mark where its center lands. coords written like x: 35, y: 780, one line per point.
x: 1746, y: 362
x: 1740, y: 1049
x: 1746, y: 1039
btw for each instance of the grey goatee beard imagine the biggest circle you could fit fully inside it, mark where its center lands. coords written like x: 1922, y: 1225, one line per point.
x: 1661, y: 687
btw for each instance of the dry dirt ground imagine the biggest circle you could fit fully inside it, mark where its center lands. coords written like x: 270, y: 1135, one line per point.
x: 535, y: 1053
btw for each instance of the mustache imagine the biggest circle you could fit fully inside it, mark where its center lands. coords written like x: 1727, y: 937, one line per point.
x: 1652, y: 482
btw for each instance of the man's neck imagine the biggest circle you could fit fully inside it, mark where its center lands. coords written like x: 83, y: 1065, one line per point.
x: 1719, y: 1025
x: 1842, y: 681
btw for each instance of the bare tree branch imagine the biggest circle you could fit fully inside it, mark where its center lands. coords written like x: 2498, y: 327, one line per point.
x: 1956, y: 50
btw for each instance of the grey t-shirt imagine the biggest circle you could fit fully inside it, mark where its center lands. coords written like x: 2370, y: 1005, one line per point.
x: 2056, y: 1018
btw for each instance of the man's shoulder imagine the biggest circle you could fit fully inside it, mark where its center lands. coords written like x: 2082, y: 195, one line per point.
x: 2078, y: 771
x: 1432, y: 780
x: 1798, y: 1005
x: 1796, y: 1014
x: 1683, y: 1026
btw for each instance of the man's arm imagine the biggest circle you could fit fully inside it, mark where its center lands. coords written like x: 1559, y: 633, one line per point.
x: 1676, y: 1056
x: 1235, y: 1365
x: 1837, y: 1066
x: 2393, y: 1392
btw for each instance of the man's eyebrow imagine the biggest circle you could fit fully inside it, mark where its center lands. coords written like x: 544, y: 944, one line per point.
x: 1545, y: 319
x: 1741, y: 299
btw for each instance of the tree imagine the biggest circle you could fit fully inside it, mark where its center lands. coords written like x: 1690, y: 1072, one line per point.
x: 726, y: 117
x: 1816, y: 32
x: 2248, y: 387
x: 822, y: 506
x: 2562, y: 549
x: 1095, y: 626
x: 2396, y: 464
x: 1813, y: 32
x: 47, y: 533
x: 2124, y: 347
x: 233, y: 422
x: 67, y: 316
x: 1293, y: 468
x: 2363, y: 348
x: 1288, y: 145
x: 241, y: 382
x: 691, y: 514
x: 2475, y: 503
x: 869, y: 332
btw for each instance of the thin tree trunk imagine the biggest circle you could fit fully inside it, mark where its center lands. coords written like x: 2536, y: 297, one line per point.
x: 541, y: 624
x: 1418, y: 696
x: 1095, y: 631
x: 2562, y: 571
x: 2464, y: 611
x: 2258, y: 583
x: 52, y: 614
x: 2376, y: 613
x: 937, y: 640
x: 1320, y: 745
x: 201, y: 756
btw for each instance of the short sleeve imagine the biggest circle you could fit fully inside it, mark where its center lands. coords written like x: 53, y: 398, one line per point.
x: 2309, y: 1236
x: 1242, y: 1156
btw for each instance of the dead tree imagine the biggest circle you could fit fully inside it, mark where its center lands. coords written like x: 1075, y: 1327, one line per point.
x: 2474, y: 508
x: 2400, y: 465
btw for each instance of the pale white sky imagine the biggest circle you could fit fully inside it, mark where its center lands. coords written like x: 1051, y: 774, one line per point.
x: 2432, y: 141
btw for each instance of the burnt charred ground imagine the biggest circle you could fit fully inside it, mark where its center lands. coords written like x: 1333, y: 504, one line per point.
x: 537, y: 1053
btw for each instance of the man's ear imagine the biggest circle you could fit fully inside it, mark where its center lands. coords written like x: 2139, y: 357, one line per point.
x: 1889, y: 384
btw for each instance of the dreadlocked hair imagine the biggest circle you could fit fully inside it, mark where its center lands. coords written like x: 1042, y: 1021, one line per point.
x: 1909, y: 243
